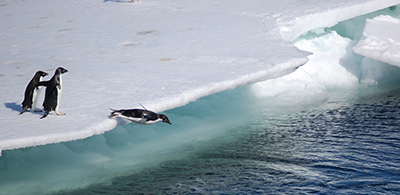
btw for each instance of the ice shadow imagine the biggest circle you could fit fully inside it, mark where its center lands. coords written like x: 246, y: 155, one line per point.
x: 14, y: 106
x: 351, y: 61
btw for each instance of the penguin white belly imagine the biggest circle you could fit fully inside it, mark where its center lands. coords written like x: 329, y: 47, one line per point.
x: 142, y: 121
x: 151, y: 122
x: 36, y: 93
x: 35, y: 96
x: 59, y: 93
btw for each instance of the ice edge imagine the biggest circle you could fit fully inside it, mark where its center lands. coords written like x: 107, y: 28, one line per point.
x: 183, y: 99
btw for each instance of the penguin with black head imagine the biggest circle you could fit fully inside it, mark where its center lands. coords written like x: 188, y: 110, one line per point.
x: 53, y: 92
x: 32, y: 92
x: 140, y: 116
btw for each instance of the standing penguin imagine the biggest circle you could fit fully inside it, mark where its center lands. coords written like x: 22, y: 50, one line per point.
x: 53, y: 92
x: 32, y: 92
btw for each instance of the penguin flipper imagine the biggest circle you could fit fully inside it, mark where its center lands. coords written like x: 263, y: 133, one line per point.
x: 42, y: 83
x: 150, y: 117
x: 31, y: 92
x: 147, y: 117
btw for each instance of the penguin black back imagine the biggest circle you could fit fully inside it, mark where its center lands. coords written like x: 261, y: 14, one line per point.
x: 140, y: 116
x: 53, y: 92
x: 31, y: 91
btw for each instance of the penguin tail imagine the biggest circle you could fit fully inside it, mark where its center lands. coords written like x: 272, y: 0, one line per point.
x: 24, y: 110
x: 46, y: 112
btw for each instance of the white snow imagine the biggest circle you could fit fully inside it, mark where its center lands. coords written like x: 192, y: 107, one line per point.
x: 160, y: 53
x: 381, y: 40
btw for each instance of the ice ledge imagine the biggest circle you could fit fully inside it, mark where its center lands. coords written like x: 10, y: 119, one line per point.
x: 183, y: 99
x: 290, y: 29
x: 381, y: 40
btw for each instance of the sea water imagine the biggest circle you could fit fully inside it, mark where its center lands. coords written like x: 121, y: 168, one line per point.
x: 346, y: 144
x: 341, y: 139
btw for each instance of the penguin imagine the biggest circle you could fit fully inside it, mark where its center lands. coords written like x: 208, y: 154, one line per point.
x: 140, y: 116
x: 32, y: 92
x: 53, y: 92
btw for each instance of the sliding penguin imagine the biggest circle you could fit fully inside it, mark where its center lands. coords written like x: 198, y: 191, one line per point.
x: 32, y: 92
x: 144, y: 117
x: 53, y: 92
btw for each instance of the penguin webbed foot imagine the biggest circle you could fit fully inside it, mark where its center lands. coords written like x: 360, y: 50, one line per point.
x: 61, y: 114
x: 114, y: 113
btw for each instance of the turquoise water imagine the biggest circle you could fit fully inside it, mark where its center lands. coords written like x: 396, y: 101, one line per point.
x: 347, y: 144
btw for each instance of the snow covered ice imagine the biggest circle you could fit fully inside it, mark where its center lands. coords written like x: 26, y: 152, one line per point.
x: 381, y: 40
x: 162, y: 54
